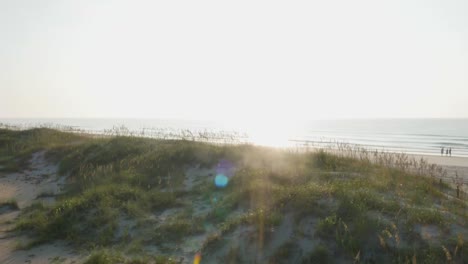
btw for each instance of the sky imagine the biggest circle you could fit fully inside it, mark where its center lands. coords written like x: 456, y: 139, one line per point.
x: 234, y: 60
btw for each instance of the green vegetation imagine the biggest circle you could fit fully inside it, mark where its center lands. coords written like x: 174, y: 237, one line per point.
x: 319, y: 255
x: 137, y: 194
x: 112, y: 257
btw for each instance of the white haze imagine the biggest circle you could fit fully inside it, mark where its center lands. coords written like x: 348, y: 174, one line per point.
x: 234, y: 60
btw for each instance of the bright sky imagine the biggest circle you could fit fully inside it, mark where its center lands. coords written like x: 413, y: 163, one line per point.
x: 234, y: 59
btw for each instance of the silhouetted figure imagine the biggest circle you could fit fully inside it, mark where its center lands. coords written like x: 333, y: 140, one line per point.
x: 442, y: 151
x: 450, y: 152
x: 446, y: 152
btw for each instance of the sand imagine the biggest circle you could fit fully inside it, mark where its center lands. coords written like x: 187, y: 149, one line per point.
x: 444, y: 160
x: 25, y: 187
x: 454, y: 166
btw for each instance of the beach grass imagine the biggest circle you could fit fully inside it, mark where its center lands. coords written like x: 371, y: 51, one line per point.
x: 138, y: 194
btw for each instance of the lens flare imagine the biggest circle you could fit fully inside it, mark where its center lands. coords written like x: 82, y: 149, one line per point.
x: 224, y: 170
x: 221, y: 181
x: 197, y: 258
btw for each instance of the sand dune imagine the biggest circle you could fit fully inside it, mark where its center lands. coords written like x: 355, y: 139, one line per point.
x: 25, y: 187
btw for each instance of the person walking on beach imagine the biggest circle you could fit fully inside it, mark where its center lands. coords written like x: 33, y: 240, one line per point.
x: 446, y: 152
x: 450, y: 152
x: 442, y: 151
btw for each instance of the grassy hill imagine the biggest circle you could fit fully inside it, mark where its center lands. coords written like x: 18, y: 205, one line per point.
x: 140, y: 200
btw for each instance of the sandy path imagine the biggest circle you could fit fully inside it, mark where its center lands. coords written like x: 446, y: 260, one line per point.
x: 25, y: 187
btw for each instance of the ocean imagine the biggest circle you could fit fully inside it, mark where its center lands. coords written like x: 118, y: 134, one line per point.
x: 412, y: 136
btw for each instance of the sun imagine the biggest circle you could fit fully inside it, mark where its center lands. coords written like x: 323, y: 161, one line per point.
x: 271, y: 133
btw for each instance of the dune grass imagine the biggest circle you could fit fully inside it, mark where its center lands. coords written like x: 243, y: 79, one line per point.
x: 104, y: 256
x: 125, y: 191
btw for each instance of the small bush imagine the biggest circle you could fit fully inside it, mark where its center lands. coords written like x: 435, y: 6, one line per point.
x: 104, y: 257
x: 320, y: 254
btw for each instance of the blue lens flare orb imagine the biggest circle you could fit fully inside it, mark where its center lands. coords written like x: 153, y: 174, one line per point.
x: 221, y: 181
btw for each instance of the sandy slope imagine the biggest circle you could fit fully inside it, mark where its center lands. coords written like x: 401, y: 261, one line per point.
x: 454, y: 166
x: 25, y: 187
x: 42, y: 178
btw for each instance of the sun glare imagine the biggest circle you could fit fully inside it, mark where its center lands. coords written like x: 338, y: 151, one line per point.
x: 270, y: 133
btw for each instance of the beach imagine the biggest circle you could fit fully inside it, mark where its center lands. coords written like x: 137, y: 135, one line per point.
x: 201, y: 196
x: 411, y: 136
x: 453, y: 165
x: 445, y: 161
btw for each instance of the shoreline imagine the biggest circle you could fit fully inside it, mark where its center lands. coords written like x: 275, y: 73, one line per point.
x: 423, y: 143
x: 454, y: 165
